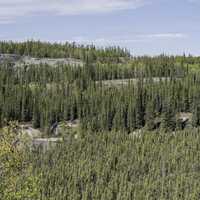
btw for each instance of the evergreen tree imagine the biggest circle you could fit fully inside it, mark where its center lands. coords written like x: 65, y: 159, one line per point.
x: 196, y: 116
x: 150, y: 116
x: 168, y: 121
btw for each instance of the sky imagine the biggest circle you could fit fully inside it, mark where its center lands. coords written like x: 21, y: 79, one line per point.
x: 145, y: 27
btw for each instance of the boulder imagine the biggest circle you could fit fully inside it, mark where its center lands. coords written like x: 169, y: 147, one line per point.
x: 45, y: 143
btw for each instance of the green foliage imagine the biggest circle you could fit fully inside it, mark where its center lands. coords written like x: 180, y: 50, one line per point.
x: 68, y: 50
x: 114, y: 166
x: 196, y: 116
x: 150, y: 116
x: 44, y: 94
x: 116, y: 98
x: 168, y: 117
x: 16, y: 174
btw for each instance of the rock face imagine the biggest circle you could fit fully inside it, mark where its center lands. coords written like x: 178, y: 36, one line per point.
x: 73, y: 124
x: 31, y: 138
x: 51, y: 61
x: 45, y: 143
x: 27, y: 60
x: 13, y: 58
x: 35, y: 139
x: 184, y: 120
x: 184, y: 116
x: 29, y: 131
x: 124, y: 82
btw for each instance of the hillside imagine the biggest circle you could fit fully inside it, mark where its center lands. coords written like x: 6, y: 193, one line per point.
x: 113, y: 127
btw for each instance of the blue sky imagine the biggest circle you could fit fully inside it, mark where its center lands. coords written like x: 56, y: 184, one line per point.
x: 148, y: 27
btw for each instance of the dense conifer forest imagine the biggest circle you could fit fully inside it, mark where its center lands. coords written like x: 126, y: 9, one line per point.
x: 138, y: 132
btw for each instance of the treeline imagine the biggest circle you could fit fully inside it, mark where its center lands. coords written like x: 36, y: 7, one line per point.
x: 87, y: 53
x: 158, y: 90
x: 44, y: 94
x: 184, y: 59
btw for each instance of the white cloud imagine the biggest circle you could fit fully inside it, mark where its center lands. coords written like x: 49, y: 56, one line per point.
x: 165, y: 35
x: 11, y: 9
x: 114, y: 40
x: 103, y: 41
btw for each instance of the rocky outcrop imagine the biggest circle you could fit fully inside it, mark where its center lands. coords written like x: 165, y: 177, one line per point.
x: 18, y: 60
x: 13, y: 58
x: 45, y: 143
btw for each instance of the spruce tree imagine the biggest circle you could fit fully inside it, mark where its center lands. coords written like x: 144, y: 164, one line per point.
x: 168, y: 120
x: 150, y: 116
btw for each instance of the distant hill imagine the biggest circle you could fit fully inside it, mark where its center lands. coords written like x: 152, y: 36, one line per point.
x: 89, y: 53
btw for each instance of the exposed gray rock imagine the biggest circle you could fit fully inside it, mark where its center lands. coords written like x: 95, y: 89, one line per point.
x: 45, y: 143
x: 183, y: 116
x: 50, y: 61
x: 121, y: 82
x: 31, y: 132
x: 27, y: 60
x: 73, y: 124
x: 13, y: 58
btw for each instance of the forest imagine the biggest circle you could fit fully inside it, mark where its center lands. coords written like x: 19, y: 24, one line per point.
x: 138, y: 124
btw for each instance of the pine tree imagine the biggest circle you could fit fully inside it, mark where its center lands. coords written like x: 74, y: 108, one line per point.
x: 196, y: 116
x: 139, y: 113
x: 150, y: 116
x: 168, y: 121
x: 131, y: 121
